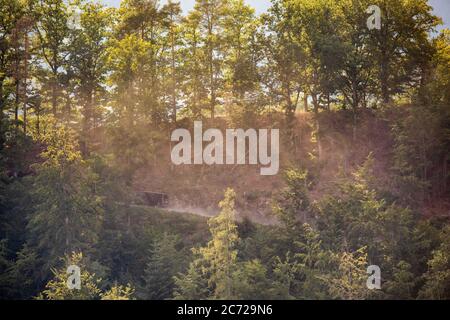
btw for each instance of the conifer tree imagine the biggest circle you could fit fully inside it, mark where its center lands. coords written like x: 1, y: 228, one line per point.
x: 57, y: 288
x: 165, y: 261
x: 437, y: 278
x: 215, y: 263
x: 118, y: 293
x: 66, y: 210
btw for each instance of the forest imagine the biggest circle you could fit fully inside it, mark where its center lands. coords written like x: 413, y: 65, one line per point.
x: 89, y: 97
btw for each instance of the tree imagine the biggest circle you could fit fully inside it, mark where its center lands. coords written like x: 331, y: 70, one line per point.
x: 440, y: 80
x: 171, y: 57
x: 251, y: 282
x: 23, y: 276
x: 240, y: 26
x: 282, y: 48
x: 293, y: 204
x: 9, y: 17
x: 318, y: 23
x: 401, y: 48
x: 118, y: 293
x: 5, y: 264
x: 285, y: 275
x: 418, y: 148
x: 192, y: 285
x: 221, y: 251
x: 303, y: 270
x: 193, y: 71
x: 57, y: 288
x: 314, y: 262
x: 66, y: 210
x: 141, y: 26
x: 216, y: 263
x: 164, y: 262
x: 403, y: 283
x: 52, y: 30
x: 210, y: 15
x: 351, y: 221
x: 87, y: 63
x: 349, y: 280
x: 437, y: 278
x: 127, y: 60
x: 358, y: 76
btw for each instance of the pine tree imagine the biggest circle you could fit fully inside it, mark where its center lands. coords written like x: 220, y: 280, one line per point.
x: 118, y: 293
x: 437, y: 278
x: 5, y: 264
x: 66, y: 210
x: 165, y: 261
x: 301, y: 274
x: 57, y: 288
x: 348, y: 282
x: 23, y: 276
x: 403, y: 282
x: 251, y: 282
x: 193, y: 285
x: 216, y: 263
x: 293, y: 204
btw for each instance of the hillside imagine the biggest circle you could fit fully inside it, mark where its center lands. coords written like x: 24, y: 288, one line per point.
x: 344, y: 148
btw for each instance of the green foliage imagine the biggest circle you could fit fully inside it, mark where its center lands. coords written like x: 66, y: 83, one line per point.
x: 418, y: 148
x: 192, y: 285
x: 52, y: 31
x: 66, y: 210
x: 216, y: 262
x: 313, y: 261
x: 349, y: 280
x: 23, y: 275
x: 87, y: 106
x: 437, y: 278
x: 294, y: 201
x: 165, y: 261
x: 251, y: 282
x: 88, y: 65
x: 57, y: 289
x: 403, y: 282
x: 118, y: 293
x: 5, y: 264
x: 302, y: 271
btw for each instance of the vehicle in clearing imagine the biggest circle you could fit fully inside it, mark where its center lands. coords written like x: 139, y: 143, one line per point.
x: 152, y: 199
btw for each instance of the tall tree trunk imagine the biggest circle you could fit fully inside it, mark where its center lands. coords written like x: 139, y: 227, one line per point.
x: 38, y: 120
x: 355, y: 120
x: 54, y: 99
x: 174, y: 96
x: 317, y: 124
x: 305, y: 102
x: 16, y: 77
x: 445, y: 173
x: 17, y: 100
x: 2, y: 106
x: 2, y: 101
x: 87, y: 123
x: 213, y: 91
x: 384, y: 77
x: 25, y: 81
x: 211, y: 70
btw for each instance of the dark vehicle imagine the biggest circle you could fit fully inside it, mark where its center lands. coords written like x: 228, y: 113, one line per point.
x: 152, y: 199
